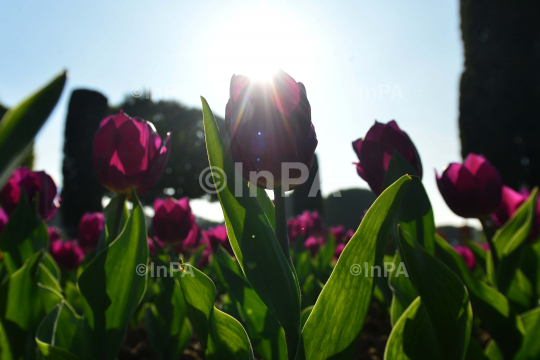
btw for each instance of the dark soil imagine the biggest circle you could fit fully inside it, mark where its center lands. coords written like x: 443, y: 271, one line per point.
x: 370, y: 347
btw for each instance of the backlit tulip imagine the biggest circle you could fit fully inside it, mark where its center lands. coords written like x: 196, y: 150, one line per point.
x: 214, y: 237
x: 511, y: 200
x: 294, y: 229
x: 339, y: 250
x: 67, y: 254
x: 129, y: 153
x: 54, y: 233
x: 471, y: 190
x: 338, y: 232
x: 313, y: 244
x: 90, y: 227
x: 269, y: 123
x: 467, y: 255
x: 172, y: 220
x: 37, y: 184
x: 376, y: 149
x: 311, y: 223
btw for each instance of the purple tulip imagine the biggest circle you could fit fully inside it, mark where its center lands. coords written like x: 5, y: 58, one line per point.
x: 54, y: 233
x: 151, y: 246
x: 313, y: 244
x: 90, y: 227
x: 294, y: 229
x: 377, y: 148
x: 338, y: 232
x: 129, y: 153
x: 471, y: 190
x: 339, y: 250
x: 348, y: 235
x: 269, y: 123
x: 511, y: 200
x: 34, y: 183
x: 467, y: 255
x: 205, y: 258
x: 67, y: 254
x: 192, y: 239
x: 311, y: 224
x: 172, y: 220
x: 214, y: 237
x: 3, y: 219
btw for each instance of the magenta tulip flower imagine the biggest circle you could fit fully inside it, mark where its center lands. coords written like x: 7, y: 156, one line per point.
x: 3, y: 219
x: 467, y: 255
x: 511, y: 200
x: 348, y: 235
x: 214, y: 237
x: 192, y: 241
x: 294, y: 229
x: 151, y: 246
x: 36, y: 184
x: 90, y: 227
x: 313, y: 244
x: 67, y: 254
x: 338, y: 232
x: 311, y: 223
x: 129, y: 153
x: 172, y: 220
x: 54, y: 233
x: 471, y: 190
x: 269, y: 123
x: 339, y: 250
x: 377, y: 148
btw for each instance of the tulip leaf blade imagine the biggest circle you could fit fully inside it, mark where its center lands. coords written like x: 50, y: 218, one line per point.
x: 20, y: 124
x: 509, y: 242
x: 251, y: 235
x: 221, y: 335
x: 403, y: 291
x: 443, y: 295
x: 24, y: 234
x: 412, y: 337
x: 530, y: 348
x: 492, y: 307
x: 334, y: 325
x: 111, y: 288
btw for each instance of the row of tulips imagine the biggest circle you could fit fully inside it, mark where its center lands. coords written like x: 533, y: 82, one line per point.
x: 289, y: 289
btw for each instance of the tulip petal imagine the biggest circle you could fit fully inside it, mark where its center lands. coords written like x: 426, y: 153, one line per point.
x: 156, y: 169
x: 238, y: 83
x: 284, y: 92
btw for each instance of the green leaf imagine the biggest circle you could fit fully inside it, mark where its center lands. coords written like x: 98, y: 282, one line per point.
x: 443, y: 295
x: 252, y: 237
x: 412, y: 337
x: 112, y: 289
x: 24, y: 235
x: 415, y: 214
x: 403, y: 289
x: 262, y: 327
x: 266, y: 205
x: 22, y: 122
x: 510, y: 240
x: 110, y: 216
x: 492, y: 307
x: 475, y: 351
x: 305, y: 315
x: 492, y: 351
x: 333, y: 328
x: 530, y: 349
x: 222, y: 336
x: 61, y: 335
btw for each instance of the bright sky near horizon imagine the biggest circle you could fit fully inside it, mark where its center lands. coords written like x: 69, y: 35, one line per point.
x: 359, y: 60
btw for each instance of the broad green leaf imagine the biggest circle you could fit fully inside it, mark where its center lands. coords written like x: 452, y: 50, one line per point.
x: 510, y: 240
x: 403, y: 289
x: 24, y: 235
x: 264, y: 331
x: 333, y: 328
x: 415, y: 214
x: 530, y: 349
x: 305, y: 315
x: 61, y: 335
x: 252, y: 236
x: 266, y: 204
x: 221, y: 335
x: 443, y: 295
x: 52, y: 266
x: 492, y: 307
x: 492, y: 351
x: 479, y: 254
x: 530, y: 266
x: 165, y: 318
x: 110, y: 216
x: 412, y: 337
x: 112, y: 289
x: 22, y: 122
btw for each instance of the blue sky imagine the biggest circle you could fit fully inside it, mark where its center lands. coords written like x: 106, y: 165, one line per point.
x: 359, y: 61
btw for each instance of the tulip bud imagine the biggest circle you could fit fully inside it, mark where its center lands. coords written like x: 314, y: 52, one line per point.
x: 339, y: 250
x: 338, y: 232
x: 471, y: 190
x: 269, y: 123
x: 214, y: 237
x: 129, y: 153
x: 172, y: 220
x: 377, y: 148
x: 294, y: 229
x: 35, y: 183
x: 90, y: 227
x: 54, y: 234
x: 67, y: 254
x: 192, y: 239
x: 313, y: 244
x: 3, y: 219
x: 311, y: 223
x: 467, y: 255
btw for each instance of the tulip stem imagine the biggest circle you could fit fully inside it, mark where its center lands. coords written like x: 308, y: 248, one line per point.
x: 118, y: 214
x: 281, y: 222
x: 489, y: 232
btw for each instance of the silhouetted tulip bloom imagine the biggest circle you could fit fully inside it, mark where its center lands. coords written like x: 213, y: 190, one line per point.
x: 214, y: 237
x: 34, y: 183
x: 90, y: 228
x: 129, y: 153
x: 269, y: 123
x: 377, y: 148
x: 511, y: 200
x: 172, y: 220
x: 471, y: 190
x: 67, y: 254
